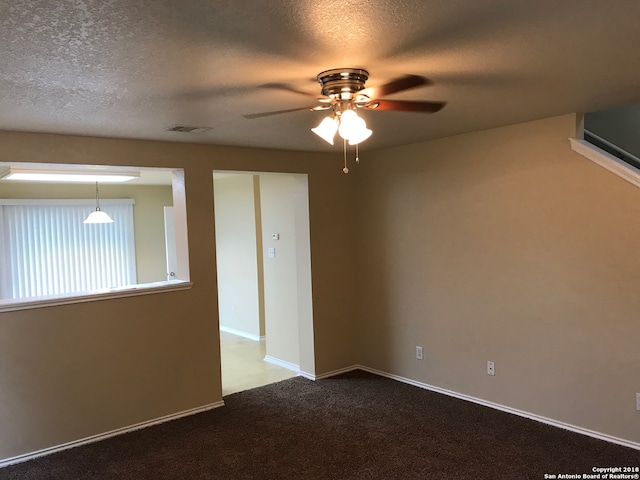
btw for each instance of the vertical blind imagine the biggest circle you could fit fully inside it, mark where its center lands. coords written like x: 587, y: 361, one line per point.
x: 47, y: 250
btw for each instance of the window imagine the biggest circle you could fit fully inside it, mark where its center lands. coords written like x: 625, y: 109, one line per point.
x: 608, y: 138
x: 45, y: 262
x: 46, y: 249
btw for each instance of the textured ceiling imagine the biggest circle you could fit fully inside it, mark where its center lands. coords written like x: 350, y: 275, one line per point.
x: 119, y: 68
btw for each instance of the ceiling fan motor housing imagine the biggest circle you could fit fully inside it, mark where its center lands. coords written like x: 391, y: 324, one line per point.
x: 339, y: 81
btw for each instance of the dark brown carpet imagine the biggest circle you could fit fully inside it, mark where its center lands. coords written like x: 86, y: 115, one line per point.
x: 355, y: 426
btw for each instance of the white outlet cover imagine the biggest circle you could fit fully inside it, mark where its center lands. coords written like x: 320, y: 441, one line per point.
x: 637, y: 401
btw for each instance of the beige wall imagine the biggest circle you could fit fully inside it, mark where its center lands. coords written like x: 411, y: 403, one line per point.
x: 505, y: 245
x: 306, y: 333
x: 500, y: 245
x: 148, y: 216
x: 236, y: 253
x: 68, y: 372
x: 280, y: 273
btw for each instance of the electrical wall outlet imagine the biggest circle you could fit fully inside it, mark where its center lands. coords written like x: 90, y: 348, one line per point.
x: 637, y: 401
x: 491, y: 368
x: 419, y: 353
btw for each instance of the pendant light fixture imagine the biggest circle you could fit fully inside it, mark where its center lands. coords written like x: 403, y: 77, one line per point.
x: 98, y: 216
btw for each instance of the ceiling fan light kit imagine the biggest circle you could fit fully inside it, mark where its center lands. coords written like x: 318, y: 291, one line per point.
x: 344, y: 93
x: 347, y: 124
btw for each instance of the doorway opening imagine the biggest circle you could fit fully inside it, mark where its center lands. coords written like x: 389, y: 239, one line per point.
x: 264, y: 278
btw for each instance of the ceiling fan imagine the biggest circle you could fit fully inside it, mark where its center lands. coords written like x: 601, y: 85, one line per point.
x: 344, y: 92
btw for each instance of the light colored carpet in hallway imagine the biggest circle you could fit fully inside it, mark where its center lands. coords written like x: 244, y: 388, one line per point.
x: 243, y: 365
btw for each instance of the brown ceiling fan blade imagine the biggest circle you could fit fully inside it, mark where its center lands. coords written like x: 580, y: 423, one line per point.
x: 398, y: 85
x: 407, y: 106
x: 285, y: 87
x: 277, y: 112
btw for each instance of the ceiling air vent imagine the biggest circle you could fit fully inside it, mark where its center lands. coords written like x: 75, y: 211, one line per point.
x: 186, y: 129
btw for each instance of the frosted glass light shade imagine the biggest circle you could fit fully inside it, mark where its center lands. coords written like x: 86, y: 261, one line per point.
x: 350, y: 123
x: 353, y: 128
x: 98, y: 217
x: 360, y: 136
x: 327, y: 129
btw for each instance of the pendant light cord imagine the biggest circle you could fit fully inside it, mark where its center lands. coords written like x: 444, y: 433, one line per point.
x: 97, y: 199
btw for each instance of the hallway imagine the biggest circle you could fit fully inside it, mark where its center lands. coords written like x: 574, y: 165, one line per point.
x: 243, y: 365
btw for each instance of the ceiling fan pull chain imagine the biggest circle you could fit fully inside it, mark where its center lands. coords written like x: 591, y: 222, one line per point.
x: 357, y: 154
x: 345, y: 169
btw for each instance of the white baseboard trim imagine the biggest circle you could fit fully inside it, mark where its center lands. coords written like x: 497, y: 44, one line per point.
x: 309, y: 376
x: 102, y: 436
x: 282, y: 363
x: 242, y: 333
x: 333, y: 373
x: 532, y: 416
x: 497, y: 406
